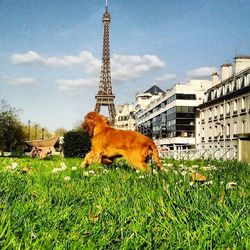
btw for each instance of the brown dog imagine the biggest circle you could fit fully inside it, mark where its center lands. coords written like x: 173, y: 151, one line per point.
x: 109, y: 143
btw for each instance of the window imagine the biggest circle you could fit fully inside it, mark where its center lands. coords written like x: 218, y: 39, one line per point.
x: 186, y: 96
x: 235, y: 128
x: 235, y: 105
x: 221, y: 130
x: 215, y: 111
x: 202, y: 115
x: 243, y: 101
x: 228, y: 107
x: 243, y: 127
x: 228, y: 129
x: 248, y: 79
x: 202, y: 134
x: 221, y: 109
x: 216, y: 130
x: 210, y: 113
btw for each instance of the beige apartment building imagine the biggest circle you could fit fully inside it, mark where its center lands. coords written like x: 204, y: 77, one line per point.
x: 223, y: 121
x: 125, y: 117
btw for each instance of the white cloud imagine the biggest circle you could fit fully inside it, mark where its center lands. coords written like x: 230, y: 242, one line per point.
x: 56, y: 62
x: 74, y: 84
x: 165, y: 77
x: 124, y: 68
x: 20, y: 81
x: 128, y: 68
x: 85, y: 59
x: 202, y: 72
x: 30, y: 57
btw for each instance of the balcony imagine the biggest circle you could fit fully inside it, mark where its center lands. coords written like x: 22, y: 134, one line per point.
x: 215, y: 138
x: 221, y: 138
x: 215, y: 118
x: 202, y: 139
x: 243, y: 111
x: 235, y: 112
x: 209, y: 119
x: 221, y: 116
x: 209, y: 138
x: 202, y: 121
x: 228, y: 114
x: 227, y: 137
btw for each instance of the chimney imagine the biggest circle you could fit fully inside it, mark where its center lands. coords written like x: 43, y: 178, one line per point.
x: 226, y: 71
x: 215, y: 79
x: 241, y: 63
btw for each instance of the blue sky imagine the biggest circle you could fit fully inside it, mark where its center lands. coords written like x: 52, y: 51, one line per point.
x: 50, y: 51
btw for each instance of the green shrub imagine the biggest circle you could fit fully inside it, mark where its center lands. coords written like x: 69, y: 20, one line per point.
x: 76, y: 144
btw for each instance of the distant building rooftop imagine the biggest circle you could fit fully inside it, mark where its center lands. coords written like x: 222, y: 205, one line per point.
x: 154, y: 90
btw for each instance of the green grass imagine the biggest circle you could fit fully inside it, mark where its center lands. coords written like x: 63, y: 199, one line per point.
x: 122, y: 209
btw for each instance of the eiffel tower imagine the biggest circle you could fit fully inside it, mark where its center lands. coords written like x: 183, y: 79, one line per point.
x: 105, y: 96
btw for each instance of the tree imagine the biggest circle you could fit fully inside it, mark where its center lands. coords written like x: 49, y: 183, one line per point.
x: 76, y: 143
x: 60, y: 131
x: 12, y: 135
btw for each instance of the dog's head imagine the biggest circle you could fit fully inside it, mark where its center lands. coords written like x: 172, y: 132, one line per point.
x: 93, y: 120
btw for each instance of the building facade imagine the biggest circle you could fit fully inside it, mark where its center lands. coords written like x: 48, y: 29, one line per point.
x: 170, y: 118
x: 125, y: 117
x: 224, y: 117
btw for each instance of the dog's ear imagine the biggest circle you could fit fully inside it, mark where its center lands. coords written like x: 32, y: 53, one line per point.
x: 89, y: 125
x: 90, y: 128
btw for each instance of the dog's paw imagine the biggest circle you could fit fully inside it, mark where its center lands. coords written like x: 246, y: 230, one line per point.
x: 84, y: 164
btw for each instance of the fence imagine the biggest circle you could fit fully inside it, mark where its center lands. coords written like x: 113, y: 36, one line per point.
x: 211, y: 153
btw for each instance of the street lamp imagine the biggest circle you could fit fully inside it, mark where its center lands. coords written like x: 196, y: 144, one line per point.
x: 43, y: 130
x: 29, y: 122
x: 36, y: 131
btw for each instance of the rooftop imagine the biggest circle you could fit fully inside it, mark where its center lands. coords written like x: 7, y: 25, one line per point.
x: 154, y: 90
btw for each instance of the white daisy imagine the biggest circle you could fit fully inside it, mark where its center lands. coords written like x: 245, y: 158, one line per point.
x: 91, y: 171
x: 230, y: 185
x: 63, y: 166
x: 67, y: 178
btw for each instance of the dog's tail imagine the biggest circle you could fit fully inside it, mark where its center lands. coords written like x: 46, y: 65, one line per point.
x: 155, y: 154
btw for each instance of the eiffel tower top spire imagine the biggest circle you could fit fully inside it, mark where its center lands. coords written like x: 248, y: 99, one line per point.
x: 106, y: 5
x: 105, y: 96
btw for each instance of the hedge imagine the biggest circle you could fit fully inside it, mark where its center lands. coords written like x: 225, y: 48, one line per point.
x: 76, y: 143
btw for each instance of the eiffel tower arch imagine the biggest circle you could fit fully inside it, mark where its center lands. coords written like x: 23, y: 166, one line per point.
x: 105, y: 96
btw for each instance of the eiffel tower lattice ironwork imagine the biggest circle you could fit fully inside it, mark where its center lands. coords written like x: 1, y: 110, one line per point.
x: 105, y: 96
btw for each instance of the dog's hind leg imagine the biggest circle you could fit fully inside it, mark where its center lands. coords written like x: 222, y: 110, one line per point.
x: 137, y: 160
x: 106, y: 160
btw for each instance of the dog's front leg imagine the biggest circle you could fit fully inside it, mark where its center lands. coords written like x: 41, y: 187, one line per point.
x: 91, y: 157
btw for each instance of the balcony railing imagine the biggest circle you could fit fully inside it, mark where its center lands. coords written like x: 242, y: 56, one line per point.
x: 243, y: 111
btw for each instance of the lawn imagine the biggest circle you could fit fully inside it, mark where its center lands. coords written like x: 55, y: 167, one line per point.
x: 54, y: 204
